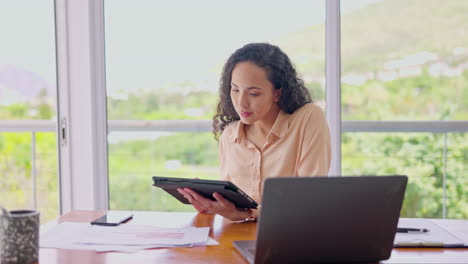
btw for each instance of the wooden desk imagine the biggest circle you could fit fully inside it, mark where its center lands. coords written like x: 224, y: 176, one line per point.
x: 221, y: 230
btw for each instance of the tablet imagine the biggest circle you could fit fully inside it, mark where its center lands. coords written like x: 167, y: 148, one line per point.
x: 206, y: 188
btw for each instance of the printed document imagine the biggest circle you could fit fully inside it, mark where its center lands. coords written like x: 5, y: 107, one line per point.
x: 127, y: 238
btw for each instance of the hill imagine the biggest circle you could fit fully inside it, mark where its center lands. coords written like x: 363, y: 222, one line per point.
x: 385, y: 31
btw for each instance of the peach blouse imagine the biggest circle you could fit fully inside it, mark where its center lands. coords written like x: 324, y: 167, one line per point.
x: 298, y: 145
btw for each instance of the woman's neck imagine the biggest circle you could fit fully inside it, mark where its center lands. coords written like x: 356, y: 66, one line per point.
x: 263, y: 127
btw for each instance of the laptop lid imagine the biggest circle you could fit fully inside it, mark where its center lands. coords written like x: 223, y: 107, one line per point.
x: 336, y: 219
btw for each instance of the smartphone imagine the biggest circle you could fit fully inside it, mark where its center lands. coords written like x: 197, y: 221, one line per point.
x: 113, y: 218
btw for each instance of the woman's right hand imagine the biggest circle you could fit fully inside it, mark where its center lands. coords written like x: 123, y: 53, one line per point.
x: 220, y: 206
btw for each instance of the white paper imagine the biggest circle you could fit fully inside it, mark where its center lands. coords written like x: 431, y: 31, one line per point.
x: 437, y: 235
x: 142, y: 235
x: 131, y: 249
x: 458, y: 228
x: 124, y: 238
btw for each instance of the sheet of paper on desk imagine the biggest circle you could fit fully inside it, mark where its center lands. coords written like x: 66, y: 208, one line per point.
x: 143, y: 235
x: 127, y: 238
x: 130, y: 249
x: 458, y: 227
x: 438, y: 235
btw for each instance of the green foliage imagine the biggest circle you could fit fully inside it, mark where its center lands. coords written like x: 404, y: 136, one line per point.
x: 45, y: 111
x: 133, y: 163
x: 420, y: 157
x: 16, y: 173
x: 15, y: 110
x: 42, y: 110
x: 316, y: 91
x: 420, y: 97
x: 162, y: 104
x: 199, y: 149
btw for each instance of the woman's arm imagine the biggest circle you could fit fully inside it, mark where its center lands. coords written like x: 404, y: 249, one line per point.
x: 315, y: 156
x: 222, y: 158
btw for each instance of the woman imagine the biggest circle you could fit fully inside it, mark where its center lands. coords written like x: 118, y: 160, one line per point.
x: 268, y: 127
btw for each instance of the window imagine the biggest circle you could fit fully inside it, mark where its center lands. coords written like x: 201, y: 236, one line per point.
x: 164, y: 61
x: 404, y: 97
x: 28, y: 150
x: 407, y: 61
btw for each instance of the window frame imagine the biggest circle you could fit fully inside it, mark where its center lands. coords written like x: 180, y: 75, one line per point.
x: 83, y: 125
x: 81, y: 101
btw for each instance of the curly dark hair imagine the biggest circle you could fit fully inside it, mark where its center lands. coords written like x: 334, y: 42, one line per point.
x: 280, y: 71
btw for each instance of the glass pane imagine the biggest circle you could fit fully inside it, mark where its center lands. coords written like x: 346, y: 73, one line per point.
x: 136, y: 156
x: 28, y: 91
x: 457, y: 180
x: 420, y: 156
x: 404, y: 60
x: 163, y: 62
x: 407, y: 61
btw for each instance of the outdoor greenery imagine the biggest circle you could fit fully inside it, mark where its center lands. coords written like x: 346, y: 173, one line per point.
x: 16, y: 186
x: 370, y: 39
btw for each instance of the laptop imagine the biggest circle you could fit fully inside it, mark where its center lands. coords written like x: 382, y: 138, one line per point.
x: 326, y: 220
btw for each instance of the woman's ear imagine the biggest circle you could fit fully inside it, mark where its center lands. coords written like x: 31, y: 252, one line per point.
x: 277, y: 95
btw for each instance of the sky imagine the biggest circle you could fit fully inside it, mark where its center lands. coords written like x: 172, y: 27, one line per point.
x: 27, y: 47
x: 189, y: 41
x: 154, y: 44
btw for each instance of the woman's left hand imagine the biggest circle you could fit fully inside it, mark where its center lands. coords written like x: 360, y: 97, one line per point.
x: 220, y: 206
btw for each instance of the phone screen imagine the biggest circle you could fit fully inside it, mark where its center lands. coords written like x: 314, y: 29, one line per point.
x: 112, y: 218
